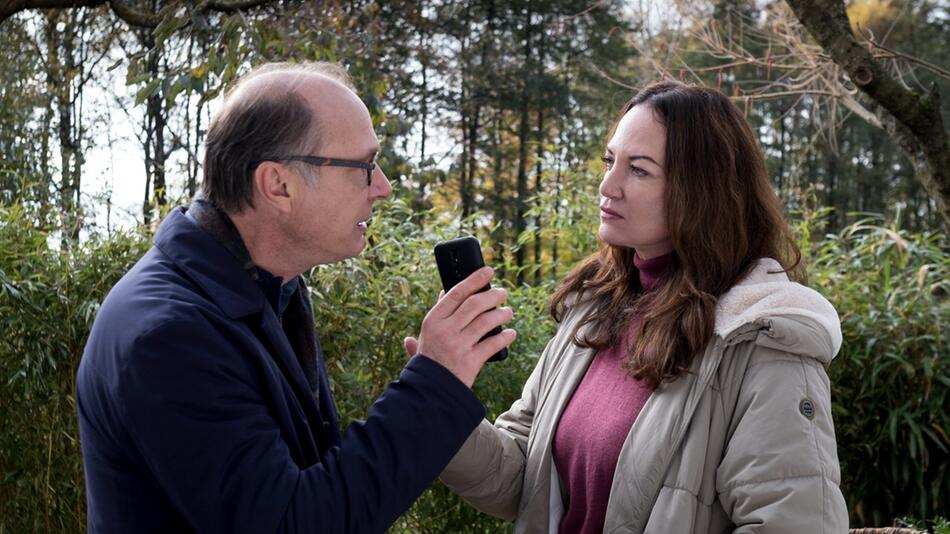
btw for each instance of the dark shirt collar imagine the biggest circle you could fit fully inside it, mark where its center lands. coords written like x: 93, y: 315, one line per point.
x: 276, y: 291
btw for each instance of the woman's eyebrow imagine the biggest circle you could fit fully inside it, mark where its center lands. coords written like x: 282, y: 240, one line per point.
x: 648, y: 158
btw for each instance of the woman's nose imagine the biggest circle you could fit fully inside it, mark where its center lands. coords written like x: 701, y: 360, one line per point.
x: 608, y: 185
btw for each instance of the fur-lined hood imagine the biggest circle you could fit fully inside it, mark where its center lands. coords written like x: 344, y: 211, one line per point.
x: 799, y: 317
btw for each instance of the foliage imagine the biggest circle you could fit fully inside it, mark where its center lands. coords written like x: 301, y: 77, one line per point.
x: 891, y: 380
x: 939, y: 525
x: 48, y: 299
x: 492, y: 109
x: 366, y: 306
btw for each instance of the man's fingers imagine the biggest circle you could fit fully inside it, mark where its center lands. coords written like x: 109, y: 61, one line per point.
x: 412, y: 346
x: 490, y: 346
x: 480, y: 303
x: 457, y: 295
x: 484, y: 323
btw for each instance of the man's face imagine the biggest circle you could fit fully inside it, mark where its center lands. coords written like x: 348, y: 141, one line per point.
x: 330, y: 214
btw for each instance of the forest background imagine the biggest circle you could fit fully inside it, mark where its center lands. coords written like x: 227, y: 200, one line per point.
x: 492, y: 117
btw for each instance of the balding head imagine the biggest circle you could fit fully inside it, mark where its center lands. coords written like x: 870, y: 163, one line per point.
x: 275, y: 110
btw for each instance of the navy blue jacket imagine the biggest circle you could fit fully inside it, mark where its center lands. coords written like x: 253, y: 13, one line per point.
x: 195, y: 414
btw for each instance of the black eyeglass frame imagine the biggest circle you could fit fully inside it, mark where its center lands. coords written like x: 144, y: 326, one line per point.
x: 320, y: 161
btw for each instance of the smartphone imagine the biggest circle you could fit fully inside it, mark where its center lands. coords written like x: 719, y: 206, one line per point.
x: 457, y: 259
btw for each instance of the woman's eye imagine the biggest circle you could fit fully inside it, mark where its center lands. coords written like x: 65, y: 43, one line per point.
x: 638, y: 171
x: 608, y: 161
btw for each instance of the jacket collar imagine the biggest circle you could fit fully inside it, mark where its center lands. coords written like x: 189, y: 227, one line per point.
x: 212, y: 267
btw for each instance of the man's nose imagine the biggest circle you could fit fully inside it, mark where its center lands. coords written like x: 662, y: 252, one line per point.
x: 380, y: 186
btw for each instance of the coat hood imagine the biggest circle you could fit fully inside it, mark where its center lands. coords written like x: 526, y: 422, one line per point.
x: 802, y: 320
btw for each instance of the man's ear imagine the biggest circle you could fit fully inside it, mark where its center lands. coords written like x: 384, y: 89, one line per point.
x: 271, y: 185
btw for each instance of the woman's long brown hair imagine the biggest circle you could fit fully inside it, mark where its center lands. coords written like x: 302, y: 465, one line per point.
x: 722, y: 216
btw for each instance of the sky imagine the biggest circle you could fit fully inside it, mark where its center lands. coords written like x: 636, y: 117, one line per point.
x: 115, y: 161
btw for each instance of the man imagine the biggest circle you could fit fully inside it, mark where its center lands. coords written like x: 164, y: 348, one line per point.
x: 202, y: 395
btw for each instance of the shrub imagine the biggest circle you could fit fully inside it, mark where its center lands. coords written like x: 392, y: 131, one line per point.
x: 364, y: 308
x: 890, y: 381
x: 48, y: 299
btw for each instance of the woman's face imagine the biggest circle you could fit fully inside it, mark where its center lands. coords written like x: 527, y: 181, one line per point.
x: 632, y: 204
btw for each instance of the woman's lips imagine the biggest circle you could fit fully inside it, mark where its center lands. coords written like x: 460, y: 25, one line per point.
x: 608, y: 214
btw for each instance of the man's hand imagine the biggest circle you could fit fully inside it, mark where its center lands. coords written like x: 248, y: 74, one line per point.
x: 452, y: 328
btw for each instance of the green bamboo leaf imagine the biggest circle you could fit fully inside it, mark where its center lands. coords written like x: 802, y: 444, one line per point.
x: 165, y: 29
x: 935, y: 438
x: 892, y: 427
x: 147, y: 91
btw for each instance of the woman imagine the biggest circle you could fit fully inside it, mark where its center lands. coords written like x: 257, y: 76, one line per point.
x: 685, y: 390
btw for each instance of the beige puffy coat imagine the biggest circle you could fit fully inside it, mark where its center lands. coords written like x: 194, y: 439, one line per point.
x: 742, y: 443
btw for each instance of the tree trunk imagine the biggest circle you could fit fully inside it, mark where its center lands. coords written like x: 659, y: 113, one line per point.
x: 424, y: 98
x: 522, y: 183
x: 155, y: 151
x: 538, y: 188
x: 501, y: 215
x: 472, y: 139
x: 557, y: 213
x: 465, y: 106
x: 61, y: 70
x: 463, y: 163
x: 781, y: 159
x: 831, y: 181
x: 539, y: 158
x: 191, y: 148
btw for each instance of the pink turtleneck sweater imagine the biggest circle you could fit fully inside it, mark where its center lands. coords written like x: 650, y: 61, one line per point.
x: 596, y: 422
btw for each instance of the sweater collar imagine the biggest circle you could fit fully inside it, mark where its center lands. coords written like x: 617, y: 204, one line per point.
x: 652, y: 271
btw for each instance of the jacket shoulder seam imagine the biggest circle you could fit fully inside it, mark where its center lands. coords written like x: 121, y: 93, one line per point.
x: 787, y: 357
x: 737, y: 485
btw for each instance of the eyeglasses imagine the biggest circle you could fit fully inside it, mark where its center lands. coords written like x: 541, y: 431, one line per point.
x: 326, y: 162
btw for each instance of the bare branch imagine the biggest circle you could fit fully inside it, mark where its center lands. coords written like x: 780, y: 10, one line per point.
x: 9, y: 7
x: 233, y: 7
x: 918, y: 122
x: 133, y: 16
x: 927, y: 65
x: 613, y: 80
x: 836, y: 73
x: 124, y: 10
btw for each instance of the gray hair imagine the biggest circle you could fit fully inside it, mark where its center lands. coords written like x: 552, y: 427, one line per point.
x: 254, y: 125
